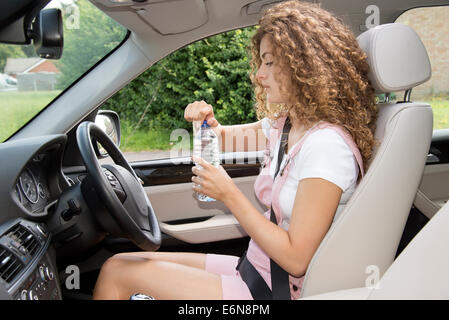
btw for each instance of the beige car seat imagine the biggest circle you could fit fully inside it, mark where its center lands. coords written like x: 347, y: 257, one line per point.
x: 368, y: 229
x: 419, y: 272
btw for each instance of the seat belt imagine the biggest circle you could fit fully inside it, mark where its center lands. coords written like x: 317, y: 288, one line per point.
x: 279, y: 277
x: 280, y: 284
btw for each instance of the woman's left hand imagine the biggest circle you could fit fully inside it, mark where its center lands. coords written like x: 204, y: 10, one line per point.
x: 211, y: 181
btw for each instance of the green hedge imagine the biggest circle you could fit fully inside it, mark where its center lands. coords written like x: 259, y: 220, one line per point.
x: 215, y: 70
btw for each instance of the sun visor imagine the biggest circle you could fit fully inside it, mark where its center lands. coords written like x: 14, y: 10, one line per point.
x: 165, y: 17
x: 174, y: 16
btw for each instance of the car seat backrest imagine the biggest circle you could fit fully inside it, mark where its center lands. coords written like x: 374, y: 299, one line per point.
x: 368, y: 229
x: 421, y: 270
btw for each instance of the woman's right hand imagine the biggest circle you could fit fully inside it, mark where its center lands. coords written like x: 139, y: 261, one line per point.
x: 200, y: 111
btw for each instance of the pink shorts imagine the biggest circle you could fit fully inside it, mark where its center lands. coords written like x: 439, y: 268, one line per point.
x: 233, y: 287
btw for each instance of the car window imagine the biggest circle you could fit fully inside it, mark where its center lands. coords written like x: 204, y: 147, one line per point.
x: 151, y: 107
x: 432, y: 25
x: 28, y: 83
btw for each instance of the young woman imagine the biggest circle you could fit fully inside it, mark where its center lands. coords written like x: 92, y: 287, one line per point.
x: 310, y: 72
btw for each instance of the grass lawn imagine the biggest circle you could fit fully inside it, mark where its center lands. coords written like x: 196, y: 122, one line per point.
x: 150, y: 139
x: 17, y: 108
x: 440, y: 107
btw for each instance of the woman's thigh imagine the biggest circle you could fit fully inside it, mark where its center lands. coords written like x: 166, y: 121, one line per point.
x: 196, y: 260
x: 167, y: 278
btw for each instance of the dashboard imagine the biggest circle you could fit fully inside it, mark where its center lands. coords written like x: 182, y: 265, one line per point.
x: 32, y: 183
x: 47, y: 220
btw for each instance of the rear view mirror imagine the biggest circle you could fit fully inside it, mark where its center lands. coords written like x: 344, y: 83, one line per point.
x: 47, y: 34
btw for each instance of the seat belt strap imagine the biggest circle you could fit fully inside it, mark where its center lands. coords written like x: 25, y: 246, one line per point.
x: 256, y: 284
x: 280, y: 284
x: 279, y: 277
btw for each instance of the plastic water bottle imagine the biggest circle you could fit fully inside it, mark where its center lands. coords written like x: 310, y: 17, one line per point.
x: 205, y: 146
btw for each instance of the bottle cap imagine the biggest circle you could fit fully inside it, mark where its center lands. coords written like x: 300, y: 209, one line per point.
x: 205, y: 125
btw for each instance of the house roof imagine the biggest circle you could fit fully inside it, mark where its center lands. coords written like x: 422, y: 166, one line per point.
x: 20, y: 65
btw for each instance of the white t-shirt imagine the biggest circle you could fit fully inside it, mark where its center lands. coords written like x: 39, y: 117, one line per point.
x: 325, y: 155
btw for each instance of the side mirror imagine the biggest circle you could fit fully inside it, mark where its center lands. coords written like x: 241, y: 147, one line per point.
x: 47, y: 34
x: 109, y: 122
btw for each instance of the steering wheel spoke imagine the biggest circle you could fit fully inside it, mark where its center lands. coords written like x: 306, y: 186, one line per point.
x: 115, y: 184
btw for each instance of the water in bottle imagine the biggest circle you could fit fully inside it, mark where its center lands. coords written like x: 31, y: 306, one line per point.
x: 205, y: 146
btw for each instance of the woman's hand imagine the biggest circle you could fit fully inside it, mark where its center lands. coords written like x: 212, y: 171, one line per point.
x: 211, y: 181
x: 200, y: 111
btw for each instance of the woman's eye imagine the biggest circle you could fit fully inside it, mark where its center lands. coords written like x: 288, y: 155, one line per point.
x: 268, y: 63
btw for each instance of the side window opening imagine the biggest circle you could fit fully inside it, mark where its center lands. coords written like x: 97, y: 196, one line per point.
x: 151, y: 107
x: 432, y: 25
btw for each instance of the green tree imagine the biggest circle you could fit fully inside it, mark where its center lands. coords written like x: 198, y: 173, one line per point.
x: 215, y: 70
x: 84, y: 46
x: 29, y: 50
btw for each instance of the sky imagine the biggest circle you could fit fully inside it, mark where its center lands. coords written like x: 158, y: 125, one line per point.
x: 59, y: 3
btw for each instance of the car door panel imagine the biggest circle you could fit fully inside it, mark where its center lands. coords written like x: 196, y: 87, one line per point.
x: 169, y: 187
x: 176, y: 202
x: 433, y: 191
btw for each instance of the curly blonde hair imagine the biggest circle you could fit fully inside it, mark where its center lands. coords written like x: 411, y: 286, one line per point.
x: 327, y: 71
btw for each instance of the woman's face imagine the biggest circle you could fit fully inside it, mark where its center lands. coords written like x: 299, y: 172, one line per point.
x: 267, y: 71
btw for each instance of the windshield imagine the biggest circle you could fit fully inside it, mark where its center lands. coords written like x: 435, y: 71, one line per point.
x: 29, y: 83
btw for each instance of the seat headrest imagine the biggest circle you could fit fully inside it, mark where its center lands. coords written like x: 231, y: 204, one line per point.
x: 397, y: 57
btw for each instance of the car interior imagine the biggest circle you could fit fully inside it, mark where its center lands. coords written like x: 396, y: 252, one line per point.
x: 67, y: 202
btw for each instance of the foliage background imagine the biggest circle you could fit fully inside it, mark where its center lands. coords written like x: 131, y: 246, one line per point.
x: 215, y: 70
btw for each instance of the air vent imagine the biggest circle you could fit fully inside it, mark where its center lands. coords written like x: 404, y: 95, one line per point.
x: 24, y: 239
x: 70, y: 181
x: 10, y: 265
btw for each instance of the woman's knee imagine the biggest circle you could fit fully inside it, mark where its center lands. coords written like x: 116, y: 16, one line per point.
x: 110, y: 266
x: 114, y: 265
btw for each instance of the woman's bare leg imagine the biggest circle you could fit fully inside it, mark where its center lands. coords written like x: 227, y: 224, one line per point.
x: 162, y: 275
x: 196, y: 260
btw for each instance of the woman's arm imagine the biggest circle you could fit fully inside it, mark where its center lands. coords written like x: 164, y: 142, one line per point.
x: 315, y: 204
x: 243, y: 137
x: 234, y: 138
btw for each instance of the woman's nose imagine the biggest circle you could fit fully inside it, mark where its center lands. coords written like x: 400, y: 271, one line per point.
x: 260, y: 75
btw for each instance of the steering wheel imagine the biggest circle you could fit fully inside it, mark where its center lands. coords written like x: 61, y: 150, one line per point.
x: 119, y: 189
